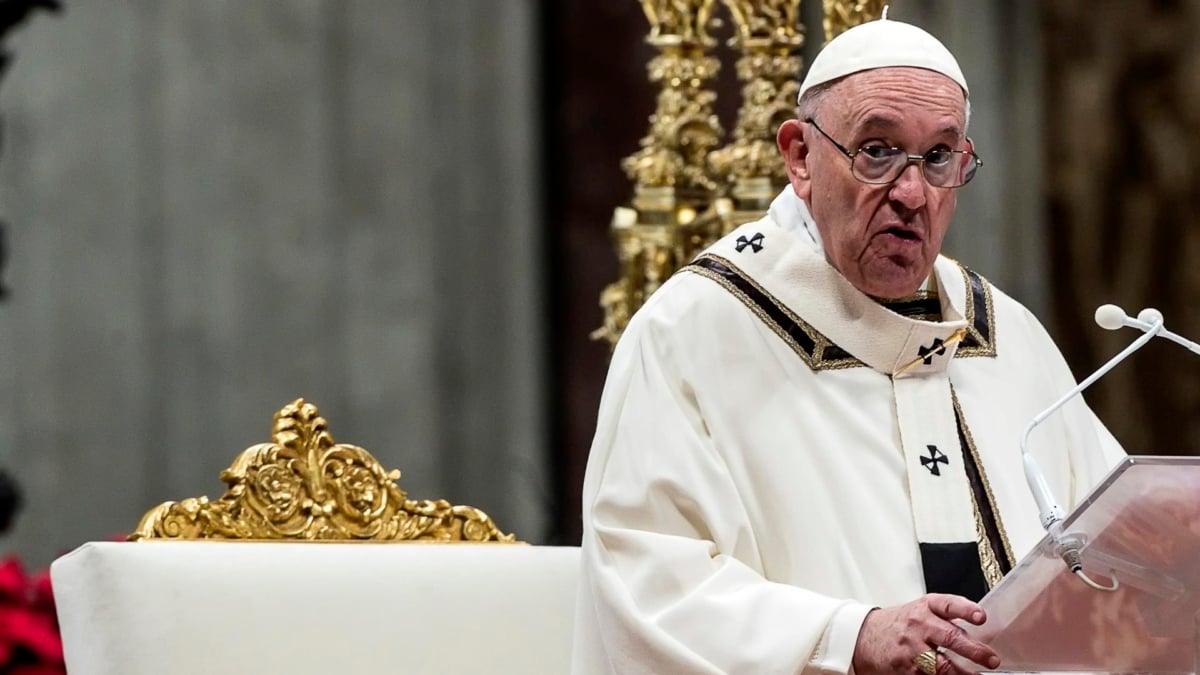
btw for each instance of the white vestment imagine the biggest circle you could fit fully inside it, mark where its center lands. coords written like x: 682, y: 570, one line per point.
x: 764, y: 470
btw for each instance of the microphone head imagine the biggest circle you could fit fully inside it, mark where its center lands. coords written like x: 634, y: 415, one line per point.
x: 1150, y: 315
x: 1110, y: 317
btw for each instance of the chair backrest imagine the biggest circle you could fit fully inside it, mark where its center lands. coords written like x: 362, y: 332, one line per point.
x: 223, y: 586
x: 304, y: 487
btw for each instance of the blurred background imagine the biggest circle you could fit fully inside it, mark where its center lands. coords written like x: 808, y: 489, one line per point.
x: 399, y: 210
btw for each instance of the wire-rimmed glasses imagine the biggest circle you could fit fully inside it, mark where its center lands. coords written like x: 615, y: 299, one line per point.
x: 880, y: 164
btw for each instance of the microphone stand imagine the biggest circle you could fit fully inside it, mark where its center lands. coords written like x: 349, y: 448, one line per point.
x: 1110, y: 317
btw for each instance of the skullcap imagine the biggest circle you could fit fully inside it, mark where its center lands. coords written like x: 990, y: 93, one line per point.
x: 881, y: 44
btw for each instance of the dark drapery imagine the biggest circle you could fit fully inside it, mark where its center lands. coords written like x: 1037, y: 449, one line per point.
x: 1122, y: 161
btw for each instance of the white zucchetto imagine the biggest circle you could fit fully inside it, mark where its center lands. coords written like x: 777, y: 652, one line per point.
x: 881, y: 44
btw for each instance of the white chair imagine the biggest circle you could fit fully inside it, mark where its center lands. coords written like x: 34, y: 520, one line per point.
x: 228, y: 586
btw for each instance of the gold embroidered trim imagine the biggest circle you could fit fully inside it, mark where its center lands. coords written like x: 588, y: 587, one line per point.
x: 816, y: 360
x: 986, y: 344
x: 987, y: 489
x: 992, y: 573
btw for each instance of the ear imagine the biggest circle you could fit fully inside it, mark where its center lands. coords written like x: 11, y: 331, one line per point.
x: 794, y: 149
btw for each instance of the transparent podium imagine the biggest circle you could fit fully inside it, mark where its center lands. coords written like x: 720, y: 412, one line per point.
x: 1139, y: 535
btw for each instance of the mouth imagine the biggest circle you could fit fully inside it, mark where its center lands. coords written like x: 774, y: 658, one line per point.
x: 903, y: 233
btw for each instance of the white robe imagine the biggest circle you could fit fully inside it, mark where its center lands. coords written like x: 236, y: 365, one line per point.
x: 747, y: 498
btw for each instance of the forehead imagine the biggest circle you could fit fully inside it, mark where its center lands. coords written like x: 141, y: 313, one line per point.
x: 914, y: 98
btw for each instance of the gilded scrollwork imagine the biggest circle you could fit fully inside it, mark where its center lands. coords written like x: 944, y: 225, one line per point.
x: 841, y: 15
x: 769, y: 34
x: 305, y: 487
x: 768, y: 21
x: 615, y: 300
x: 683, y: 128
x: 766, y: 103
x: 670, y: 170
x: 675, y: 22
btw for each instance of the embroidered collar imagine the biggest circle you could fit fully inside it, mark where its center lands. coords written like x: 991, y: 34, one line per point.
x: 829, y: 323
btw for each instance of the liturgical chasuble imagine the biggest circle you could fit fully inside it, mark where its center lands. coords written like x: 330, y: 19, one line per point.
x: 777, y: 453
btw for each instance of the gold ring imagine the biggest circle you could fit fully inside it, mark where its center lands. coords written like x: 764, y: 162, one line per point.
x: 926, y: 662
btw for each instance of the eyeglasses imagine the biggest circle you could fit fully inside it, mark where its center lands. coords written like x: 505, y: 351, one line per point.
x: 879, y: 164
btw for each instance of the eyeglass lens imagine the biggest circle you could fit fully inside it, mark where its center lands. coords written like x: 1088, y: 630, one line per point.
x: 942, y: 168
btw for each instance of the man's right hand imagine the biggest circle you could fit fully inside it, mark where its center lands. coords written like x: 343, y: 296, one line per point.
x: 891, y: 638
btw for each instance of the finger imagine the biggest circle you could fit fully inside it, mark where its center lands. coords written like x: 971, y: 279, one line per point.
x: 956, y: 640
x: 950, y: 607
x: 946, y: 665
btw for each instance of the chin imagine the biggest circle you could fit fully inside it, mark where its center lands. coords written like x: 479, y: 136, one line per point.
x: 894, y: 283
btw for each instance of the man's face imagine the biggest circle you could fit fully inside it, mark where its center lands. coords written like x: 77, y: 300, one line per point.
x: 883, y: 238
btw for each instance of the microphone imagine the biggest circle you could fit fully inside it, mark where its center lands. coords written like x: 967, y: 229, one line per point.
x: 1109, y: 317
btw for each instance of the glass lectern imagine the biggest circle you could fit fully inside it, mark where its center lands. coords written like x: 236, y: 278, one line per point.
x: 1139, y: 535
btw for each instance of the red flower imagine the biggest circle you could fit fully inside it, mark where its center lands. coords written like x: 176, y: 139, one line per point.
x: 12, y: 581
x: 30, y: 643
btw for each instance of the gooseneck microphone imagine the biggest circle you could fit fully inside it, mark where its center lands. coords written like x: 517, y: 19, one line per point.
x: 1110, y: 317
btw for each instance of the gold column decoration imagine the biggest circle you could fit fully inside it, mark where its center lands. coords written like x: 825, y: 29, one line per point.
x: 656, y: 234
x: 304, y: 487
x: 841, y: 15
x: 769, y: 34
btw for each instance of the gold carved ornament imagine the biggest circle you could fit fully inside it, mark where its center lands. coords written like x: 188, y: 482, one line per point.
x: 656, y: 233
x: 683, y: 128
x: 687, y: 191
x: 305, y: 487
x: 842, y: 15
x: 769, y: 35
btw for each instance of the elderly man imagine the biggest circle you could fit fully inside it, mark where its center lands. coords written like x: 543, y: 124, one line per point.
x: 807, y: 459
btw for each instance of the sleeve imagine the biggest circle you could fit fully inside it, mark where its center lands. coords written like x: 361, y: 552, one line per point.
x: 670, y: 563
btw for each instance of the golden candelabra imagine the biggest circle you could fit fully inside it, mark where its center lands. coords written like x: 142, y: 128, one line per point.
x: 687, y: 192
x: 841, y: 15
x: 768, y: 34
x: 657, y: 233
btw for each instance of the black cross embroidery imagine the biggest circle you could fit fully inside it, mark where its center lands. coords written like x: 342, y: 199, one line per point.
x: 936, y: 349
x: 755, y: 242
x: 931, y: 462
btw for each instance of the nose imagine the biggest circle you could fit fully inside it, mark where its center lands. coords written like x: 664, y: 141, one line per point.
x: 909, y: 188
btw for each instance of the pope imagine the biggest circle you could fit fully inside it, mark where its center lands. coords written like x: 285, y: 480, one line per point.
x: 806, y: 458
